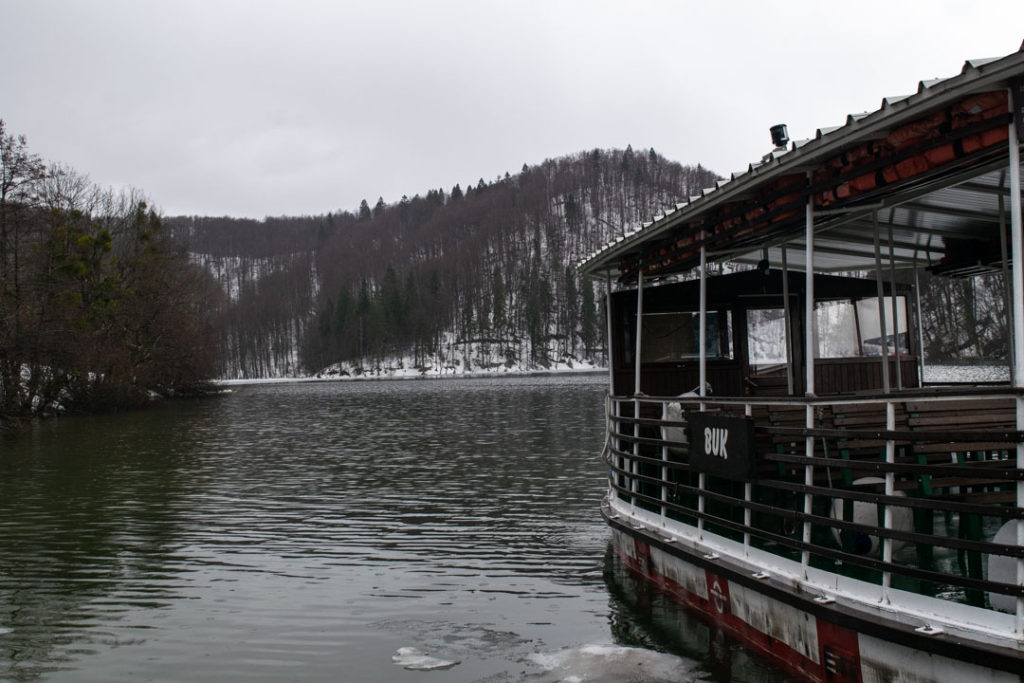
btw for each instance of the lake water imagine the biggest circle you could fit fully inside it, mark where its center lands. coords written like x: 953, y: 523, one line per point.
x: 344, y: 531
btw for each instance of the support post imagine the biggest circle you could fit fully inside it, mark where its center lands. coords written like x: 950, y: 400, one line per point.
x: 890, y: 484
x: 1007, y: 277
x: 895, y: 310
x: 810, y: 350
x: 608, y: 333
x: 639, y: 329
x: 787, y: 319
x: 703, y: 376
x: 636, y: 388
x: 1017, y: 245
x: 612, y: 405
x: 703, y: 347
x: 881, y: 305
x: 919, y: 321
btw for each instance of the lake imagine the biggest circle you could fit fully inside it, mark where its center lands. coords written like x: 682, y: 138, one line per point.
x: 332, y: 531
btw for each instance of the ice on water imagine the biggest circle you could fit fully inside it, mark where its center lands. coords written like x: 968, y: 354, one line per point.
x: 608, y: 663
x: 414, y: 659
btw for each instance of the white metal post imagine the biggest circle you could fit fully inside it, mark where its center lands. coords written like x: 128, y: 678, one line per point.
x: 890, y: 483
x: 1007, y: 277
x: 608, y: 332
x: 748, y: 496
x: 895, y: 312
x: 613, y: 407
x: 881, y: 305
x: 919, y: 322
x: 1017, y: 239
x: 639, y: 328
x: 664, y: 477
x: 636, y: 387
x: 787, y: 320
x: 703, y: 348
x: 810, y: 348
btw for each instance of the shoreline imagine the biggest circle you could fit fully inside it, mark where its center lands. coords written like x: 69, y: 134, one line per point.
x: 391, y: 377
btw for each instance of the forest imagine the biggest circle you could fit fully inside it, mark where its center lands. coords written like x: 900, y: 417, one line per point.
x: 105, y: 303
x: 478, y: 278
x: 99, y: 307
x: 465, y: 279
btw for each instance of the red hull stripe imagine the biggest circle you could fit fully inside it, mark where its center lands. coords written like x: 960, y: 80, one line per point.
x: 837, y: 626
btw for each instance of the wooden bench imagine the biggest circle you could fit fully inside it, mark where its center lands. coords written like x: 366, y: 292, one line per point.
x: 867, y: 417
x: 974, y: 423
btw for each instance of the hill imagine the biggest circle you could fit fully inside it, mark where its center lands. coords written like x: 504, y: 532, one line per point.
x: 472, y: 278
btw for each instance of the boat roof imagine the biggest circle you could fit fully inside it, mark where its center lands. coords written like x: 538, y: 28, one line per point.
x: 754, y: 287
x: 866, y: 178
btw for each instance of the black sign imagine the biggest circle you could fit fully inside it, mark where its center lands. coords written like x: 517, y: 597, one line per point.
x: 721, y: 445
x: 1017, y: 99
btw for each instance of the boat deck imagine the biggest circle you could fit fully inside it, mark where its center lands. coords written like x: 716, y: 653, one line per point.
x: 912, y: 489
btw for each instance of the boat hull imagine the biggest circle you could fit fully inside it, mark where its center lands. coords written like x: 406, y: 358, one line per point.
x: 817, y: 640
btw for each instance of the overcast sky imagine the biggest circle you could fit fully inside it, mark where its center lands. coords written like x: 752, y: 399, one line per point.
x: 250, y: 108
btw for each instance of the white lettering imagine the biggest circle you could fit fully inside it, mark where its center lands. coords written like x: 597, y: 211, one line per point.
x: 714, y: 441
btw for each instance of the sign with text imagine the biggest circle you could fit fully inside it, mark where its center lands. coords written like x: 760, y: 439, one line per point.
x: 721, y: 445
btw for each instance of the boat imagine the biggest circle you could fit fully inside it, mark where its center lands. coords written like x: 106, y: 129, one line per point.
x: 778, y: 458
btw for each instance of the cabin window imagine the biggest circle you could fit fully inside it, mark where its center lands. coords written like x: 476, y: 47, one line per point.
x: 847, y: 329
x: 837, y: 329
x: 672, y: 337
x: 870, y: 328
x: 766, y: 339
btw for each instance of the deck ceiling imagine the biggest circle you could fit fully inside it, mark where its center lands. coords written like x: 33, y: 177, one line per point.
x: 947, y: 216
x: 920, y: 228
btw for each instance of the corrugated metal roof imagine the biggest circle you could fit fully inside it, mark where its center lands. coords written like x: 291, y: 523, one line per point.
x: 921, y: 217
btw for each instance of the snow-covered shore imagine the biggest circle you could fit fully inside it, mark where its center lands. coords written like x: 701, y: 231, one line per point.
x: 386, y: 374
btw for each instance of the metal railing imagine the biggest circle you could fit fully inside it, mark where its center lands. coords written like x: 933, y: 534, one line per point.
x: 920, y: 491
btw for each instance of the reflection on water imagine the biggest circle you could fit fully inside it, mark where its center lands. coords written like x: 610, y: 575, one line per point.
x: 645, y: 617
x: 316, y: 532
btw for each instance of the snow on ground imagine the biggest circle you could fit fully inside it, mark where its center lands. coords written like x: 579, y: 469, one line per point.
x: 455, y: 358
x: 966, y: 373
x: 405, y: 368
x: 338, y: 373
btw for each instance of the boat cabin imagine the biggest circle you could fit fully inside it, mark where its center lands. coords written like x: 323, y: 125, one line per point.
x: 750, y: 333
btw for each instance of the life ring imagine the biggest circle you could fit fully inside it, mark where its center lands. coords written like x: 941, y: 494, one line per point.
x: 867, y: 515
x: 1002, y: 568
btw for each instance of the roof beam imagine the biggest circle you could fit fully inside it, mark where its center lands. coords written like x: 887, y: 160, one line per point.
x: 950, y: 211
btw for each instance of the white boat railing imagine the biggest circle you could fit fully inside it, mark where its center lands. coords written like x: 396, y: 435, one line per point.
x: 919, y: 491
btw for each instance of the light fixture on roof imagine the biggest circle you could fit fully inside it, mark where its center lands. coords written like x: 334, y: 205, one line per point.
x: 780, y: 135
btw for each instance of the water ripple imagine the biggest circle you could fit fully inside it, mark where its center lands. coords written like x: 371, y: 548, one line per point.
x: 276, y: 525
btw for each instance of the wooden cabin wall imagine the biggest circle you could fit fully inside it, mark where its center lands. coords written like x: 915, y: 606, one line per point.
x: 831, y: 376
x: 846, y: 375
x: 724, y: 377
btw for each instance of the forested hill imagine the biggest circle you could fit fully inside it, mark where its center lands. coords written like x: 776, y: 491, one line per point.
x: 449, y: 280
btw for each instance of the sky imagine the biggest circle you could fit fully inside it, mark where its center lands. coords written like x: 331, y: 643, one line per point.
x: 256, y: 108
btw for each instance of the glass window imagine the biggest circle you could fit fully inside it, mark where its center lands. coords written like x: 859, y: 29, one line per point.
x: 847, y: 329
x: 870, y: 327
x: 766, y: 339
x: 837, y: 329
x: 670, y: 337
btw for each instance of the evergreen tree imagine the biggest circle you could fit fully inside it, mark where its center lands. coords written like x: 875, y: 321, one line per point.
x: 588, y: 323
x: 498, y: 307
